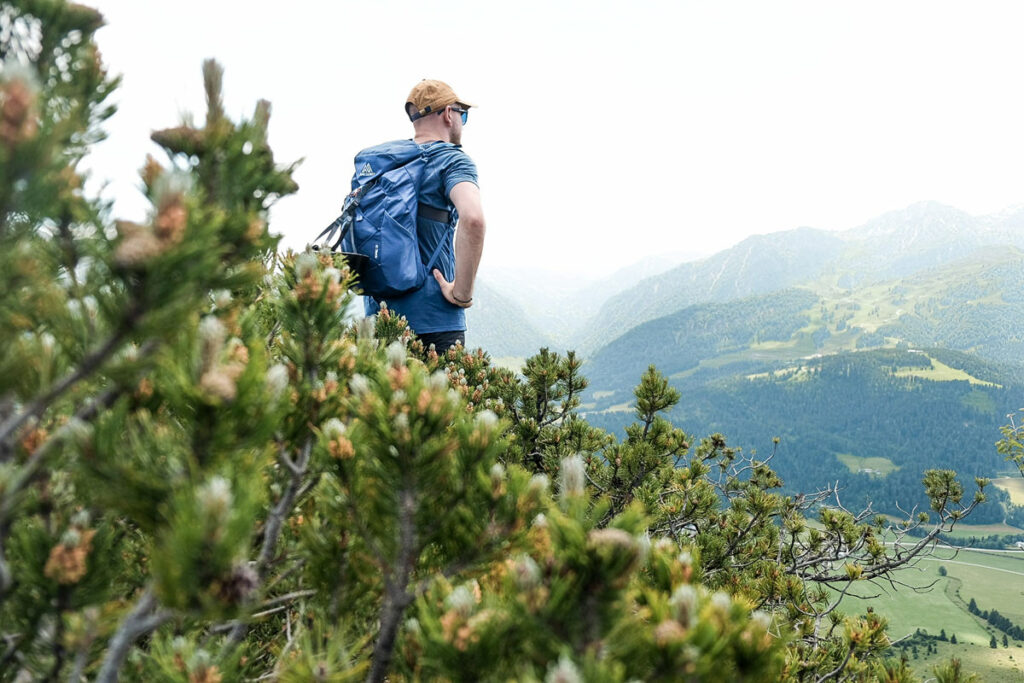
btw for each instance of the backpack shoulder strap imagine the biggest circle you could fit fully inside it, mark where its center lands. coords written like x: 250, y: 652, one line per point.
x: 390, y: 155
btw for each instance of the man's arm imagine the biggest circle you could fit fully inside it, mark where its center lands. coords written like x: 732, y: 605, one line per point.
x: 469, y: 245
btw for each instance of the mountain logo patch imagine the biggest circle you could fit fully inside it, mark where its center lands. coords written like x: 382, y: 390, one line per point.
x: 366, y: 170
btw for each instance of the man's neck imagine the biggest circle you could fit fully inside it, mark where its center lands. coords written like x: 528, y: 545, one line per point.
x: 432, y: 132
x: 424, y: 138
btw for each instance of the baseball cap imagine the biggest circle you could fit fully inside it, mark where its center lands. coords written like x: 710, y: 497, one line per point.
x: 429, y: 96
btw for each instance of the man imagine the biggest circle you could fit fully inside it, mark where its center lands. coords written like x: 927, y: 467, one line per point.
x: 449, y: 195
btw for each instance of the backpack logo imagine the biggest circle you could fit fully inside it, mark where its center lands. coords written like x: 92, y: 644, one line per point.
x: 366, y: 170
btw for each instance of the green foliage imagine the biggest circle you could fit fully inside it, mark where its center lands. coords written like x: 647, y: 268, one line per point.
x: 997, y: 620
x: 1011, y: 446
x: 951, y: 673
x: 601, y: 602
x: 544, y: 426
x: 679, y: 342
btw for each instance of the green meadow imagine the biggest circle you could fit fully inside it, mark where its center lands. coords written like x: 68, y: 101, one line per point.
x: 1013, y: 486
x: 967, y: 531
x: 940, y: 372
x: 934, y: 603
x: 879, y: 466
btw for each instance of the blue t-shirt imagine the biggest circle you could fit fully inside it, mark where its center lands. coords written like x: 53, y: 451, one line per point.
x: 426, y: 308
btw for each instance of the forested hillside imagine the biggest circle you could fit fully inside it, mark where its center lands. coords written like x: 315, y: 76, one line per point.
x: 873, y: 420
x: 973, y: 305
x: 795, y: 364
x: 680, y: 342
x: 758, y: 264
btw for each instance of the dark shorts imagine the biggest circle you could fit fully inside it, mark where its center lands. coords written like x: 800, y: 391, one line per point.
x: 443, y: 340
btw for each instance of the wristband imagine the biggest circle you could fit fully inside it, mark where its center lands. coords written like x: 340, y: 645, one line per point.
x: 460, y: 301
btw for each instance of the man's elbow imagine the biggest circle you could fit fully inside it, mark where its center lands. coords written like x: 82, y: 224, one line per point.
x: 473, y: 225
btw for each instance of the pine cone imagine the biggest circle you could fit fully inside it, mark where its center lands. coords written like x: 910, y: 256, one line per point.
x: 238, y: 585
x: 17, y: 122
x: 66, y: 564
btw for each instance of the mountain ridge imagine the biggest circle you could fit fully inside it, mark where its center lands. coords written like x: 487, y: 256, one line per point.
x: 971, y: 304
x: 895, y: 244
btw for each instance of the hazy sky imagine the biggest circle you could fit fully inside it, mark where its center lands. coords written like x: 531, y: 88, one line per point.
x: 606, y: 131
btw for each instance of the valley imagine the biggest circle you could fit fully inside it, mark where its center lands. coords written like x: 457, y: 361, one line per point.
x: 936, y: 603
x: 872, y: 354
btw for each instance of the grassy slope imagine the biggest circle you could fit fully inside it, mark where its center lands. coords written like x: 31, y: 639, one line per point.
x: 940, y: 372
x: 1012, y: 485
x: 966, y: 531
x: 1001, y: 665
x: 994, y: 581
x: 882, y: 466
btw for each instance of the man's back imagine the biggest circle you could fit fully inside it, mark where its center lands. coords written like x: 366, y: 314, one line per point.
x: 446, y: 166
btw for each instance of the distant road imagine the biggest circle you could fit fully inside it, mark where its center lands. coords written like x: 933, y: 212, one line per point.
x: 972, y: 564
x: 966, y: 549
x: 972, y: 550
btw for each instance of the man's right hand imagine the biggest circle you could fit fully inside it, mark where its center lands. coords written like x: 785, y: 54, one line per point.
x: 448, y: 291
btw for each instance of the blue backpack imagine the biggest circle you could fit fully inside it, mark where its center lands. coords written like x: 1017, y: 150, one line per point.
x: 377, y: 226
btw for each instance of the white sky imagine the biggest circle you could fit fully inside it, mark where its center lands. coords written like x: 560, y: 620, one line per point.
x: 606, y: 131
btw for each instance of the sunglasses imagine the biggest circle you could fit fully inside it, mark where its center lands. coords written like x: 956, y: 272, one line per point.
x: 464, y: 112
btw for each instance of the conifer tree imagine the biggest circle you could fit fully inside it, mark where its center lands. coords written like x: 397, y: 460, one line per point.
x: 1012, y: 444
x: 952, y: 672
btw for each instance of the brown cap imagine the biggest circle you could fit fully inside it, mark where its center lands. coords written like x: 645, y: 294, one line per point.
x: 429, y: 96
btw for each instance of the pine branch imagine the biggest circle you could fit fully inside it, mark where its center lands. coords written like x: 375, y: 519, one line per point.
x: 598, y: 487
x: 81, y: 659
x: 269, y: 607
x: 839, y: 669
x: 6, y: 579
x: 13, y: 642
x: 272, y: 530
x: 397, y: 596
x: 274, y: 524
x: 57, y: 640
x: 31, y: 467
x: 83, y: 369
x: 28, y: 471
x: 295, y: 566
x: 356, y: 518
x: 144, y: 619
